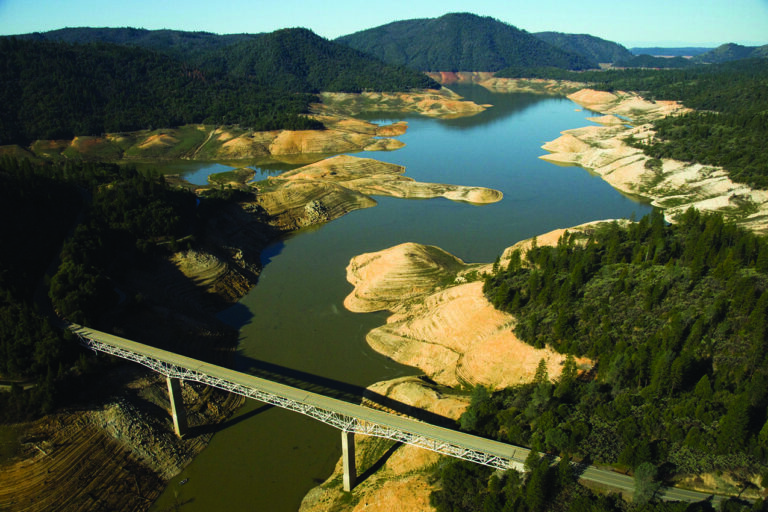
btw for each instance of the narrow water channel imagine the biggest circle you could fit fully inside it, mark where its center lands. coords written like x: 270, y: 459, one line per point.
x: 293, y: 322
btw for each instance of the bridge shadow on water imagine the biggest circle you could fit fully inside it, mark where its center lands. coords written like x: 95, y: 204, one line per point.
x: 342, y: 390
x: 238, y: 316
x: 212, y: 428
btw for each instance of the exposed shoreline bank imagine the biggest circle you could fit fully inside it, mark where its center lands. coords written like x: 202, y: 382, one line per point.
x: 434, y: 296
x: 343, y: 133
x: 441, y: 323
x: 673, y: 186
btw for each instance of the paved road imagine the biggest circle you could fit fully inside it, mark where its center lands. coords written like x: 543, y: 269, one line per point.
x: 513, y: 455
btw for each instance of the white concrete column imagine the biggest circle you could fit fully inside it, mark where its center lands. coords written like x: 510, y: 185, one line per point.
x: 177, y: 406
x: 348, y: 457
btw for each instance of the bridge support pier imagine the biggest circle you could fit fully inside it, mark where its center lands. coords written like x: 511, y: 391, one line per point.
x: 177, y: 406
x: 348, y: 458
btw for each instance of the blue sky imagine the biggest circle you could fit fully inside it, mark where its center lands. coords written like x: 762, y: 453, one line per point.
x: 632, y: 23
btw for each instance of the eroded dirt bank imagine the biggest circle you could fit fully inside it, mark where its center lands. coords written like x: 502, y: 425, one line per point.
x: 328, y: 189
x: 442, y: 324
x: 113, y: 446
x: 508, y: 85
x: 342, y: 134
x: 443, y: 104
x: 671, y: 185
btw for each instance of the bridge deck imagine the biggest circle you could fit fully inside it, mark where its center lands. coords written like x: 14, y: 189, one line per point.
x: 348, y: 416
x: 344, y: 415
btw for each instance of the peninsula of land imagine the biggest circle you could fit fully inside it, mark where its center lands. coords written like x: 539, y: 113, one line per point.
x: 343, y: 133
x: 441, y: 323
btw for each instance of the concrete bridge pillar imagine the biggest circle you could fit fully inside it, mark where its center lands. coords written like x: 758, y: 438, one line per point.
x: 348, y: 458
x: 177, y: 406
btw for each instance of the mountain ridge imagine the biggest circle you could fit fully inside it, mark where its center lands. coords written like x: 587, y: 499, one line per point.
x: 460, y: 42
x: 595, y: 48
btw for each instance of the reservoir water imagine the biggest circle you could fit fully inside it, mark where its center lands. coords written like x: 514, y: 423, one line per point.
x: 293, y: 322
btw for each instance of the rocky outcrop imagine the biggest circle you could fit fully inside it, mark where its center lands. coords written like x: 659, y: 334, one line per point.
x: 294, y: 204
x: 372, y: 177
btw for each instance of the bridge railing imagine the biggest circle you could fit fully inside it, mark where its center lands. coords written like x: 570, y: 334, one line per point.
x: 341, y: 415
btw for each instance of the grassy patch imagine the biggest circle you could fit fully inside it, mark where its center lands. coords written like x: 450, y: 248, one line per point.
x: 173, y: 143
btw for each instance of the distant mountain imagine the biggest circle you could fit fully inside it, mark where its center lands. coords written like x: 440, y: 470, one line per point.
x: 594, y: 48
x: 657, y: 51
x: 461, y: 42
x: 299, y: 60
x: 175, y: 42
x: 291, y: 59
x: 732, y: 51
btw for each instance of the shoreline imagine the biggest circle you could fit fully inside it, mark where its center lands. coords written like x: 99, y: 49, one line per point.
x: 343, y: 133
x: 673, y: 186
x: 425, y: 288
x: 194, y: 284
x: 441, y: 323
x: 600, y: 146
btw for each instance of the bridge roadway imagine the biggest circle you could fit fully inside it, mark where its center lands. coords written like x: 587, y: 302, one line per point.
x: 349, y: 417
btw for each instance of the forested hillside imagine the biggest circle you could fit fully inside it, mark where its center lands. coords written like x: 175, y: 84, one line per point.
x: 675, y: 318
x: 59, y: 90
x: 297, y: 60
x: 461, y: 42
x: 731, y: 51
x: 729, y: 128
x: 101, y: 220
x: 594, y: 48
x: 181, y: 44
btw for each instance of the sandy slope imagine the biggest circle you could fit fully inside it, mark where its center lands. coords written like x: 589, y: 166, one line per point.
x: 443, y: 325
x: 441, y: 322
x: 444, y: 104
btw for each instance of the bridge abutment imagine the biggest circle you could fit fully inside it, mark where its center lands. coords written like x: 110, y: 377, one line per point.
x: 177, y: 406
x: 348, y: 458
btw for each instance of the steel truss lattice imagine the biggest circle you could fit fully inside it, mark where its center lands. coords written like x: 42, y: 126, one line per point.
x: 336, y: 419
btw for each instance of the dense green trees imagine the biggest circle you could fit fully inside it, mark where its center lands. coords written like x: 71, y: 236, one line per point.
x: 599, y: 50
x: 98, y: 221
x: 59, y: 90
x: 468, y: 487
x: 297, y: 60
x: 129, y: 213
x: 673, y: 315
x: 675, y: 318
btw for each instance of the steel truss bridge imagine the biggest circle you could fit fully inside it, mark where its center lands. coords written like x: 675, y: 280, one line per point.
x: 348, y: 417
x: 343, y: 415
